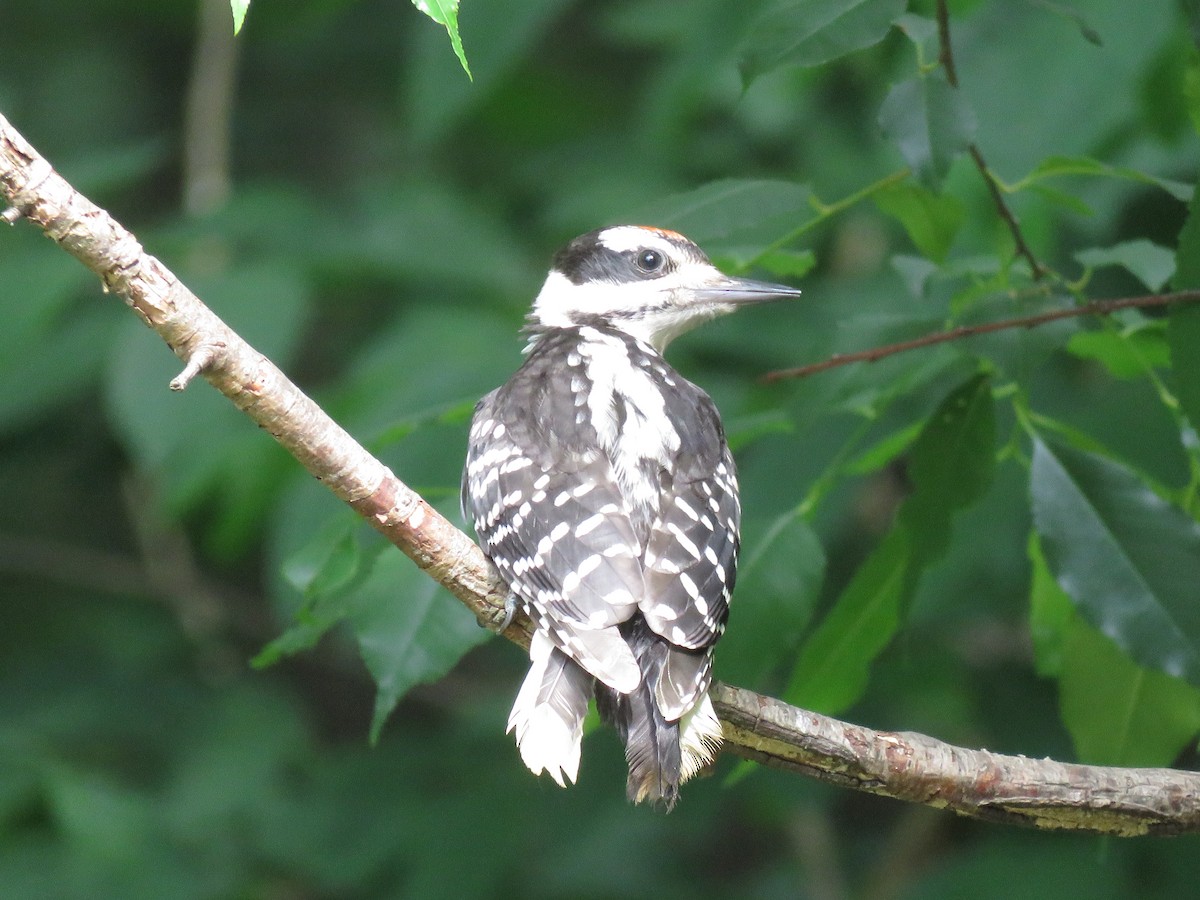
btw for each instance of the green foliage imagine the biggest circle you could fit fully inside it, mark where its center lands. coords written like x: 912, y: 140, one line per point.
x: 445, y: 13
x: 930, y: 123
x: 800, y: 33
x: 240, y: 8
x: 1125, y: 556
x: 913, y: 526
x: 950, y: 465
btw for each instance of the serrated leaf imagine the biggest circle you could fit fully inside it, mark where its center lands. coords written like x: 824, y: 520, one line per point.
x: 409, y: 631
x: 445, y: 13
x: 930, y: 123
x: 814, y: 32
x: 1151, y: 264
x: 1060, y: 166
x: 326, y: 570
x: 1119, y: 714
x: 1129, y: 561
x: 931, y: 220
x: 239, y: 8
x: 1124, y: 355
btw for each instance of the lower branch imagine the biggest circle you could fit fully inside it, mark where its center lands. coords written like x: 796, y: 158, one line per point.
x: 911, y: 767
x: 1040, y: 793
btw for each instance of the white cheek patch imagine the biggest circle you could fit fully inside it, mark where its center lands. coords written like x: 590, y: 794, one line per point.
x: 561, y: 304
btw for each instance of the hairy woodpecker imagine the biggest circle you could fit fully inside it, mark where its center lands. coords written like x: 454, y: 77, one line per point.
x: 601, y: 486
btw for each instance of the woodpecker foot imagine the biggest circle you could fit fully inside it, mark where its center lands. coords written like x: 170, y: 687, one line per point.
x: 510, y: 611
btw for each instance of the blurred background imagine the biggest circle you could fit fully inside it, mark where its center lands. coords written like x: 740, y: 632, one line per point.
x: 335, y: 187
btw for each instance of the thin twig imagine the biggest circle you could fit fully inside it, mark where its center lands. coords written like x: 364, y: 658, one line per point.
x: 1033, y: 792
x: 946, y: 58
x: 1094, y: 308
x: 208, y: 111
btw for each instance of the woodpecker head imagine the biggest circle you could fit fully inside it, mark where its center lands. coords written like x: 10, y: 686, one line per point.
x: 648, y: 282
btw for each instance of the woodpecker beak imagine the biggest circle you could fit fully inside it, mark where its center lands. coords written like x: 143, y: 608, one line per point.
x: 742, y: 291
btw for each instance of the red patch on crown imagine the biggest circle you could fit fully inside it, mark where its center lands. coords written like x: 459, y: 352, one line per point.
x: 664, y: 232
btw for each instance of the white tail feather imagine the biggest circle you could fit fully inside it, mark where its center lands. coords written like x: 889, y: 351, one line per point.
x: 549, y: 711
x: 699, y: 738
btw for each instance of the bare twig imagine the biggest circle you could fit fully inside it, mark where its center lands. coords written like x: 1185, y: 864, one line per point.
x: 1040, y: 793
x: 946, y: 58
x: 208, y: 110
x: 873, y: 354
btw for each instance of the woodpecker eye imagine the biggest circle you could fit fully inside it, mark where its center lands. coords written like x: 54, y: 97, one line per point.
x: 649, y: 260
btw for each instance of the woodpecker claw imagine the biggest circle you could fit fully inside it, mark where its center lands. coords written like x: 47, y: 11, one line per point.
x: 510, y: 612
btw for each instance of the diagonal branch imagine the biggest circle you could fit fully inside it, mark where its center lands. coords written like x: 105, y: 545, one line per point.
x: 976, y: 783
x: 874, y: 354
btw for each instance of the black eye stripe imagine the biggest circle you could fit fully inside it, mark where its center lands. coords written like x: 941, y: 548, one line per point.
x: 589, y: 259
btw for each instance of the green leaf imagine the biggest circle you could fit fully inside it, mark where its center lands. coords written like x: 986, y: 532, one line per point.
x: 1119, y: 714
x: 778, y: 583
x: 883, y: 451
x: 814, y: 32
x: 930, y: 123
x: 835, y: 662
x: 409, y: 630
x: 1191, y: 75
x: 1116, y: 712
x: 951, y: 465
x: 931, y: 220
x: 788, y: 263
x: 1050, y: 613
x: 327, y: 570
x: 922, y: 31
x: 445, y: 13
x: 1089, y: 34
x: 1127, y: 559
x: 734, y: 219
x: 1183, y: 324
x: 1183, y: 337
x: 239, y: 13
x: 1125, y: 354
x: 1187, y: 254
x: 1061, y: 166
x: 1151, y: 264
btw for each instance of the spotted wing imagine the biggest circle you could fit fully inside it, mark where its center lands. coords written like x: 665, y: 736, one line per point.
x: 550, y: 517
x: 691, y: 554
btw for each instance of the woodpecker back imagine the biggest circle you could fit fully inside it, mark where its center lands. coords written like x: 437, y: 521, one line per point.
x: 601, y: 486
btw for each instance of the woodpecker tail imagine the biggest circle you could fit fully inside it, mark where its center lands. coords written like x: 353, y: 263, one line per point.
x: 661, y: 752
x: 548, y: 713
